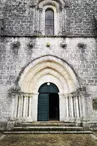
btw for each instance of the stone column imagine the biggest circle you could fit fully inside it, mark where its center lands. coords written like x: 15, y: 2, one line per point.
x: 83, y: 105
x: 35, y: 106
x: 20, y: 107
x: 30, y: 106
x: 14, y: 106
x: 62, y: 107
x: 71, y: 107
x: 25, y: 107
x: 64, y: 21
x: 40, y: 19
x: 80, y: 106
x: 77, y: 107
x: 29, y: 117
x: 66, y: 108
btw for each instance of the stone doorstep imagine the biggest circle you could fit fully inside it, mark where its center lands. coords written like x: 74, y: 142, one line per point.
x: 48, y: 127
x: 64, y: 127
x: 45, y: 124
x: 48, y: 132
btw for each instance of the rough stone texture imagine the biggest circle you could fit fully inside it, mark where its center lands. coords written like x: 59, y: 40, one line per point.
x: 18, y: 18
x: 84, y: 63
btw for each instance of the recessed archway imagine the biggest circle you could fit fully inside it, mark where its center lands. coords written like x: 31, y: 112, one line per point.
x: 48, y: 69
x: 53, y: 70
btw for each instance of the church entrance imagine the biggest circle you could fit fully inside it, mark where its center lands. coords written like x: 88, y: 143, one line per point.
x: 48, y: 102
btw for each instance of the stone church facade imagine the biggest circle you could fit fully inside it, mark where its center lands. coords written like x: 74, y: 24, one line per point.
x: 48, y: 61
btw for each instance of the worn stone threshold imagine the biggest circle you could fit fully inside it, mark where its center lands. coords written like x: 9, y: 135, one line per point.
x: 49, y: 123
x: 48, y: 132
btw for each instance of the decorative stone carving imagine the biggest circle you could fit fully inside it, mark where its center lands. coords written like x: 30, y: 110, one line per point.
x: 48, y: 44
x: 15, y: 45
x: 81, y: 46
x: 62, y: 3
x: 63, y: 45
x: 14, y: 89
x: 30, y: 45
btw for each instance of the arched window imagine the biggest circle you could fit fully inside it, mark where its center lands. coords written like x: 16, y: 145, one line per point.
x: 49, y: 22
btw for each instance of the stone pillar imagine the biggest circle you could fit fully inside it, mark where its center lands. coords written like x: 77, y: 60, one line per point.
x: 25, y: 107
x: 71, y: 107
x: 84, y: 117
x: 77, y: 107
x: 14, y: 106
x: 35, y: 106
x: 41, y: 21
x: 40, y: 18
x: 30, y: 106
x: 62, y: 107
x: 29, y: 117
x: 66, y: 108
x: 80, y: 106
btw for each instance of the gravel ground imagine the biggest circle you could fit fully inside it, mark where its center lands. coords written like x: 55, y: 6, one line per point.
x: 48, y: 140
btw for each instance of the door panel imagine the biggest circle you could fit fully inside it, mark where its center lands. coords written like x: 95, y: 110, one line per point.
x: 43, y: 107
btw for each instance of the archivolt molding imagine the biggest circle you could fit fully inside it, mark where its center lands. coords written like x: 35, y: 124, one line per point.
x: 47, y: 75
x: 48, y: 69
x: 56, y: 3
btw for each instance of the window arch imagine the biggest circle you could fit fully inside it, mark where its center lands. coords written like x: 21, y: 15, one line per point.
x: 49, y: 22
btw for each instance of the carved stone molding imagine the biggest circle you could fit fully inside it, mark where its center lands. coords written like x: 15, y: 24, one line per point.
x: 60, y: 3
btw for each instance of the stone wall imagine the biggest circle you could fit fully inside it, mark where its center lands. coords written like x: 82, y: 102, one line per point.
x: 16, y: 53
x: 80, y: 18
x: 20, y: 18
x: 19, y: 46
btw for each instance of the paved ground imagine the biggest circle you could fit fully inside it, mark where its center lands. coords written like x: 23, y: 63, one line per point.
x: 0, y: 134
x: 48, y: 140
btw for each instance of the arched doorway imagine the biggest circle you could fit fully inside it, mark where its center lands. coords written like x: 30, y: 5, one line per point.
x: 53, y: 70
x: 48, y: 102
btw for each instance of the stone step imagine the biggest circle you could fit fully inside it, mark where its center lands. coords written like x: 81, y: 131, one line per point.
x: 47, y: 128
x: 45, y: 124
x: 48, y: 132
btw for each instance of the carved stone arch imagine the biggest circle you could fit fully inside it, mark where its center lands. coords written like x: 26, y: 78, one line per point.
x: 48, y: 69
x: 44, y: 3
x: 60, y: 3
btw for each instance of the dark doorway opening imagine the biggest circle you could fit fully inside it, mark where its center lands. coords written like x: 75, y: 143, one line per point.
x: 48, y: 102
x: 53, y: 106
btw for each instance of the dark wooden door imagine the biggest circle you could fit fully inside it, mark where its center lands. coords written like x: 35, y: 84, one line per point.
x: 48, y: 102
x: 43, y: 107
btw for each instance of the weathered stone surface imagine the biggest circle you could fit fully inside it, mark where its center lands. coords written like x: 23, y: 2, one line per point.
x: 22, y: 42
x: 21, y: 18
